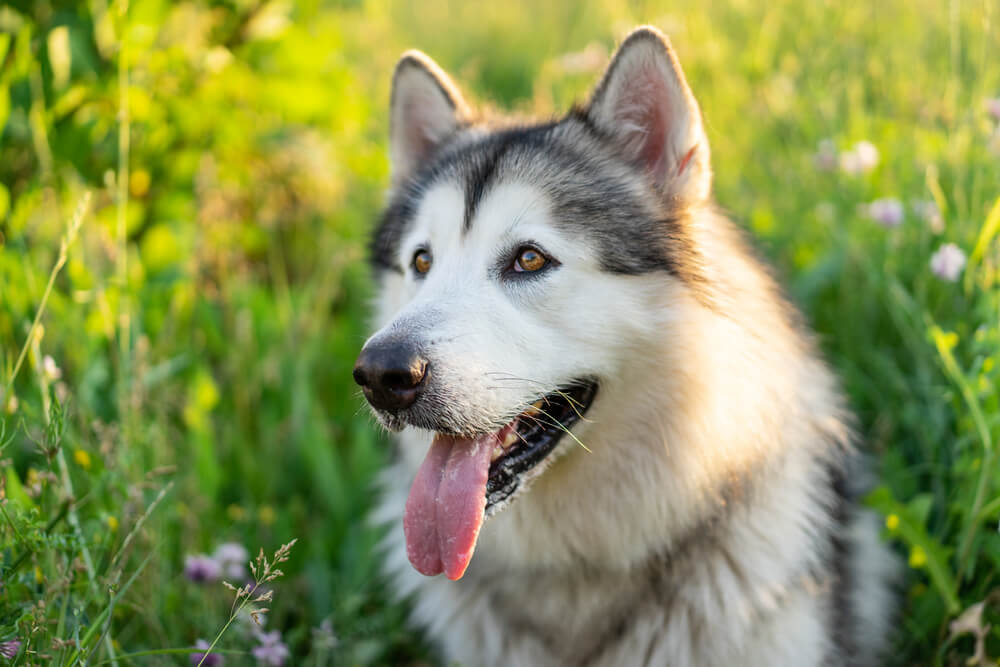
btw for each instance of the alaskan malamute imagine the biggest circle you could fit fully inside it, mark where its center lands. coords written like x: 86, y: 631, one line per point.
x: 618, y: 441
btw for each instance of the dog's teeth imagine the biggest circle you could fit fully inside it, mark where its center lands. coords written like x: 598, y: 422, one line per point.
x: 509, y: 439
x: 534, y: 408
x: 497, y: 453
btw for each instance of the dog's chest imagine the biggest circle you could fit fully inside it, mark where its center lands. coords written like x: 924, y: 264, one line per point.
x: 575, y: 619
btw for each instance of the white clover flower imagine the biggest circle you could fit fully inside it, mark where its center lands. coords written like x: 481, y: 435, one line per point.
x: 232, y: 557
x: 860, y: 159
x: 50, y: 370
x: 947, y: 263
x: 887, y: 211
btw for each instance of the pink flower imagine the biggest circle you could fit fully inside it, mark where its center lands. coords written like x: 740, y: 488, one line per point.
x: 10, y: 649
x: 887, y: 211
x: 947, y: 263
x: 860, y: 159
x: 993, y: 107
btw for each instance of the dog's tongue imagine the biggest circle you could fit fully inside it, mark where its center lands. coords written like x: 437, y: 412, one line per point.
x: 445, y: 509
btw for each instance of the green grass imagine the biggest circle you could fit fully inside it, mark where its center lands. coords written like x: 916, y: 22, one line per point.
x: 204, y: 325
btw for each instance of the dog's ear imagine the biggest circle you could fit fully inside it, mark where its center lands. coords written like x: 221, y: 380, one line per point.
x: 645, y: 105
x: 425, y: 108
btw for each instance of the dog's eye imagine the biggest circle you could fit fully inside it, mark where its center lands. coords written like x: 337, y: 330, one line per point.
x: 422, y: 261
x: 530, y: 260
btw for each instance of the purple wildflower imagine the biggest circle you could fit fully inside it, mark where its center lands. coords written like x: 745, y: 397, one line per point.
x: 862, y: 158
x: 272, y: 651
x: 947, y: 263
x: 887, y: 211
x: 232, y: 558
x: 211, y: 660
x: 202, y: 568
x: 10, y: 649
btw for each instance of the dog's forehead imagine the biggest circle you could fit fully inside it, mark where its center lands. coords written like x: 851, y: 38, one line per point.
x: 558, y: 168
x: 512, y: 210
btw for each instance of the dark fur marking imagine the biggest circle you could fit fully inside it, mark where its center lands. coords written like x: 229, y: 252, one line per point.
x: 630, y: 238
x: 842, y: 626
x: 484, y: 159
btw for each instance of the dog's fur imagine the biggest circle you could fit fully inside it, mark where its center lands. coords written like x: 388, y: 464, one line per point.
x: 712, y: 518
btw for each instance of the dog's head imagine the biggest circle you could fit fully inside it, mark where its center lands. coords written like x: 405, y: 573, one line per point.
x: 518, y: 268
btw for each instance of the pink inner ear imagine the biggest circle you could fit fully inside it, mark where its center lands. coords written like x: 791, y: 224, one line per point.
x: 418, y: 132
x: 644, y: 110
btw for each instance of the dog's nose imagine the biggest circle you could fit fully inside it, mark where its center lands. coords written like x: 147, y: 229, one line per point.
x: 391, y: 373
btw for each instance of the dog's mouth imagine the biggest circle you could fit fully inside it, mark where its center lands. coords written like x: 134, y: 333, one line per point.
x: 465, y: 479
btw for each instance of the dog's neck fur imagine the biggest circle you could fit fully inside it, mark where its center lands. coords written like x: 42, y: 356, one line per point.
x: 650, y: 504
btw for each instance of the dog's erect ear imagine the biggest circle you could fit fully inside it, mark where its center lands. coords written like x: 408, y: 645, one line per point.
x: 426, y: 107
x: 645, y: 105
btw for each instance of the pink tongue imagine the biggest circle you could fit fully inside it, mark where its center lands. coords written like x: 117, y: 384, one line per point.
x: 445, y: 509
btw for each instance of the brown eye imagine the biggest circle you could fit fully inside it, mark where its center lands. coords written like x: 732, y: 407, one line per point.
x: 530, y: 260
x: 422, y: 261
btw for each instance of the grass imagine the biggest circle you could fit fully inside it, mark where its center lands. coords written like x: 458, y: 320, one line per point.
x: 175, y: 356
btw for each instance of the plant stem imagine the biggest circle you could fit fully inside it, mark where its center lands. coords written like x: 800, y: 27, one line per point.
x: 67, y: 241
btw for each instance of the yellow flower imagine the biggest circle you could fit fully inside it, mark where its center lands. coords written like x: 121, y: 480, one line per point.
x: 949, y: 340
x: 82, y: 459
x: 235, y: 512
x: 918, y: 558
x: 988, y: 364
x: 138, y: 182
x: 892, y: 522
x: 266, y: 515
x: 112, y: 523
x: 38, y: 575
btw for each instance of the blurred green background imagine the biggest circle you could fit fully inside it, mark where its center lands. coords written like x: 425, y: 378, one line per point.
x: 188, y: 383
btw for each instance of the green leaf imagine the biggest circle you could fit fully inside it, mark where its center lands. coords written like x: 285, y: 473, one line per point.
x: 914, y: 534
x: 15, y: 490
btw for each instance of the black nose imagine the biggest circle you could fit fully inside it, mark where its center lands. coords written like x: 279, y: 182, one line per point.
x: 392, y: 374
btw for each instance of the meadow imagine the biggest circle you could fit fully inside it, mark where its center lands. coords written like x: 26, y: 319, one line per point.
x: 186, y: 193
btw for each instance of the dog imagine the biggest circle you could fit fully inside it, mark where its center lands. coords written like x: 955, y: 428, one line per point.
x: 617, y: 438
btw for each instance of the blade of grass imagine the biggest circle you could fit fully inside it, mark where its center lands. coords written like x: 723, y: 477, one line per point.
x: 986, y: 468
x: 64, y: 245
x: 987, y: 233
